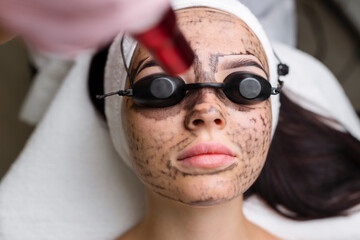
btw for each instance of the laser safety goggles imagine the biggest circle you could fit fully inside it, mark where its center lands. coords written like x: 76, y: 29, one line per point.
x: 160, y: 90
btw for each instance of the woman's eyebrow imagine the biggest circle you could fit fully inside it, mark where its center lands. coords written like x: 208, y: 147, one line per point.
x: 243, y: 63
x: 133, y: 71
x: 147, y: 64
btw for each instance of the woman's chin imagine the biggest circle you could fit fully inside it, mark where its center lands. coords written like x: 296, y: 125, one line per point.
x: 208, y: 200
x: 204, y: 191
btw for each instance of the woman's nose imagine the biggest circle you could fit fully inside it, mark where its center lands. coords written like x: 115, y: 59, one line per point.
x: 205, y: 114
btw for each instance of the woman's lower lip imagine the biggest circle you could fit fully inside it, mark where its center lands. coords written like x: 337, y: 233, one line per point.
x: 207, y: 160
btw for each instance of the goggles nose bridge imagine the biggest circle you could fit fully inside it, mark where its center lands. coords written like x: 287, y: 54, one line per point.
x: 191, y: 86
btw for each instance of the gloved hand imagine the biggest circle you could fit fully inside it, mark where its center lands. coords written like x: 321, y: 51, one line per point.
x: 69, y: 26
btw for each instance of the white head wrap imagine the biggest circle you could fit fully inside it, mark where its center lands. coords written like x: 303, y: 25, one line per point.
x: 115, y: 73
x: 68, y: 183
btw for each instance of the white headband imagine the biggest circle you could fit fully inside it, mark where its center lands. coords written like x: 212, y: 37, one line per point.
x: 115, y: 73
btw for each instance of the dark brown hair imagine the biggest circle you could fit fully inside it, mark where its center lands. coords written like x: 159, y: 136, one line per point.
x: 312, y: 170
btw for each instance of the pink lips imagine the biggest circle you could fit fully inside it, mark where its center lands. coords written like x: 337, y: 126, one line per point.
x: 207, y: 155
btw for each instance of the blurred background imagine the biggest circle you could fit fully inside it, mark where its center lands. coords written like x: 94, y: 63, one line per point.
x: 327, y: 29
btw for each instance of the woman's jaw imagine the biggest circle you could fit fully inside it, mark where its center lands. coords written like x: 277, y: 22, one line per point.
x: 205, y: 150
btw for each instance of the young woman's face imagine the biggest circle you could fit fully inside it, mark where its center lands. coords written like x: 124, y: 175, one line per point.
x: 206, y: 149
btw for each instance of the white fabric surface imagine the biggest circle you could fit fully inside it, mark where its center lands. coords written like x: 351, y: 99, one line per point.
x: 314, y: 87
x: 51, y: 71
x: 278, y: 18
x: 338, y: 228
x: 69, y: 184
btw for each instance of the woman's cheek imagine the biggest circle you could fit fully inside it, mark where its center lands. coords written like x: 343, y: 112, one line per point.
x: 150, y: 141
x: 251, y: 134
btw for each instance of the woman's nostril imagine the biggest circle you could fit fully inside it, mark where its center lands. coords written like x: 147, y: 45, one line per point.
x: 197, y: 122
x: 218, y: 121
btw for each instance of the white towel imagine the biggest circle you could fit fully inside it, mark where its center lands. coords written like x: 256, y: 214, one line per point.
x: 68, y: 182
x: 51, y: 71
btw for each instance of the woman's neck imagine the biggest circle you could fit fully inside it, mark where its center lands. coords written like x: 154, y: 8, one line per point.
x: 168, y: 219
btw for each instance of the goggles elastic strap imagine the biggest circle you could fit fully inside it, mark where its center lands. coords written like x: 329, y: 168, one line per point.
x: 126, y: 92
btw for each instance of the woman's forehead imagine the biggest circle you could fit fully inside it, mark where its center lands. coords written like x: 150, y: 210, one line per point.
x: 212, y: 33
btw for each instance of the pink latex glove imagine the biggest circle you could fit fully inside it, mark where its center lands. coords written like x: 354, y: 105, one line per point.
x: 69, y: 26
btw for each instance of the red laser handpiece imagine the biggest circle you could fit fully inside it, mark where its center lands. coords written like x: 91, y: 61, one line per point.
x: 168, y: 45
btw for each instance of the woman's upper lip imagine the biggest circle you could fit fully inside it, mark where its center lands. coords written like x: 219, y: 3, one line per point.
x: 206, y: 148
